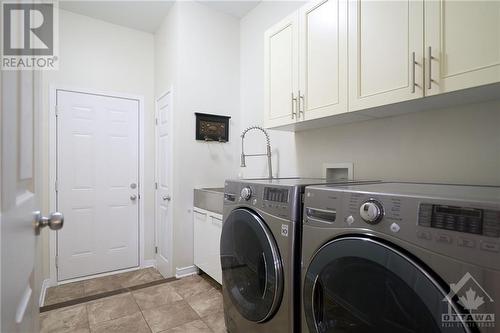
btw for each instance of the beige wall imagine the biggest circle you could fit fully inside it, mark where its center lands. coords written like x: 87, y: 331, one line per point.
x: 103, y: 56
x: 198, y: 54
x: 457, y: 145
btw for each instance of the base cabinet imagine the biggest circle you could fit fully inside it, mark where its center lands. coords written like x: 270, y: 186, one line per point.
x: 207, y: 229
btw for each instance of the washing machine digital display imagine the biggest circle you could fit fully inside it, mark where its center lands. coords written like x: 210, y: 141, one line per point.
x: 276, y: 194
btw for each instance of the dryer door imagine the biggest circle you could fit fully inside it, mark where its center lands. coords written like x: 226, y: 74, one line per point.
x: 252, y: 273
x: 357, y: 284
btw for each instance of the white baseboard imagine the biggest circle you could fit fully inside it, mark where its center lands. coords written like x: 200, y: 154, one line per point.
x: 149, y: 263
x: 45, y: 284
x: 185, y: 271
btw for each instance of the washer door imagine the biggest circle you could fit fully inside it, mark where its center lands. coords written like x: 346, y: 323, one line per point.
x: 357, y: 284
x: 252, y: 273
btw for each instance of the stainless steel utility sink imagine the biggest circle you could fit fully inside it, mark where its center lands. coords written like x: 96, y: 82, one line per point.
x: 210, y: 199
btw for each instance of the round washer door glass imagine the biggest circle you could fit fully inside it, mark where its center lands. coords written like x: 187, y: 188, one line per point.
x: 251, y: 267
x: 357, y: 284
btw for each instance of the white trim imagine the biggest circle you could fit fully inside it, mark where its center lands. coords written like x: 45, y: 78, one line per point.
x: 149, y: 263
x: 171, y: 176
x: 43, y: 291
x: 181, y: 272
x: 53, y: 168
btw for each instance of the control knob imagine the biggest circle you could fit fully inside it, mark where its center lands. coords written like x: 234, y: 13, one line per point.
x: 371, y: 211
x: 246, y: 193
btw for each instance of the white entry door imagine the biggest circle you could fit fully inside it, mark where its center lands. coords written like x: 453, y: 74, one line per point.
x: 163, y: 172
x: 97, y: 183
x: 20, y: 197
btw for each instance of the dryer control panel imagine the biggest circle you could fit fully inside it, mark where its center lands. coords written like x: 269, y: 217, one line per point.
x: 462, y: 219
x: 453, y: 220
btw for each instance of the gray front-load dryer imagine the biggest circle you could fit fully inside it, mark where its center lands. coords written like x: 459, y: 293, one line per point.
x: 401, y: 257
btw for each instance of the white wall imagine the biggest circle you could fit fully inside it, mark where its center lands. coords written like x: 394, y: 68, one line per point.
x: 103, y: 56
x: 205, y: 77
x: 452, y: 145
x: 252, y: 28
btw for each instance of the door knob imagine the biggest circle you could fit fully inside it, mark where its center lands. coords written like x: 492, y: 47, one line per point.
x: 166, y: 198
x: 55, y: 221
x: 133, y: 197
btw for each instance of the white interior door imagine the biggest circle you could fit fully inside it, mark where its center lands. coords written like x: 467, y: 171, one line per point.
x: 97, y: 183
x: 19, y: 199
x: 163, y: 192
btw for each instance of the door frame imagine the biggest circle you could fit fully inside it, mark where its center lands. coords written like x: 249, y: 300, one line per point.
x: 170, y: 177
x: 53, y: 89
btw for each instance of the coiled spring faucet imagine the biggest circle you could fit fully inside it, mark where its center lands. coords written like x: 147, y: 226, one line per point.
x: 268, y: 153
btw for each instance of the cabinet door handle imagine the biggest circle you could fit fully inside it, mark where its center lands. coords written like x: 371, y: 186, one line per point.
x: 429, y: 86
x: 294, y: 105
x: 301, y: 105
x: 413, y: 64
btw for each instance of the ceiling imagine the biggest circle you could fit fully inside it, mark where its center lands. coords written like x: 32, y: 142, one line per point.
x: 146, y: 15
x: 236, y: 8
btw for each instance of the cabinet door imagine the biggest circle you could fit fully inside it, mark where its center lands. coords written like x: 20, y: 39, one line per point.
x: 281, y: 72
x: 200, y: 238
x: 215, y: 233
x: 323, y: 59
x: 462, y: 40
x: 384, y: 38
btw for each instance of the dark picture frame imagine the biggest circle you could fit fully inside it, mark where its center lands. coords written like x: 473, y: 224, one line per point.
x: 211, y: 127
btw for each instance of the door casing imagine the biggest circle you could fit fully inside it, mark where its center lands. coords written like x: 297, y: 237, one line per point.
x: 53, y: 89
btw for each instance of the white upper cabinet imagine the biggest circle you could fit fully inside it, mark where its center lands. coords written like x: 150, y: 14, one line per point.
x: 335, y: 57
x: 385, y: 52
x: 462, y: 42
x: 281, y: 72
x: 323, y: 59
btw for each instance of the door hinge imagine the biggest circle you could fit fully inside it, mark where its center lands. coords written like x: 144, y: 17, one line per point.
x: 156, y: 121
x: 156, y: 185
x: 57, y: 261
x: 56, y: 185
x: 56, y: 110
x: 156, y: 249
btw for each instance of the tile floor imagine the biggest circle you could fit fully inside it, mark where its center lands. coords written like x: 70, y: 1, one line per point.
x: 188, y: 305
x: 75, y: 290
